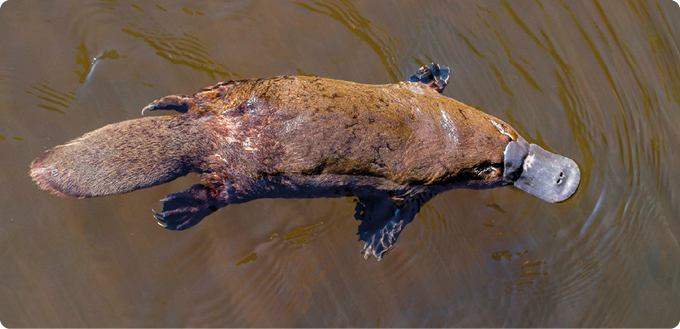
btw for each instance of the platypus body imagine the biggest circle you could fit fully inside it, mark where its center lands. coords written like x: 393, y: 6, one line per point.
x: 394, y: 146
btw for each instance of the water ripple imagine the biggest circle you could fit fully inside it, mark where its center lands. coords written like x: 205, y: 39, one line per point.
x: 184, y: 49
x: 385, y: 46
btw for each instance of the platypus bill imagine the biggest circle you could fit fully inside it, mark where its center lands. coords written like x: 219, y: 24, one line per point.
x: 393, y: 146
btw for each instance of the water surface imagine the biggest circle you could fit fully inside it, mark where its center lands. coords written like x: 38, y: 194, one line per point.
x: 597, y: 81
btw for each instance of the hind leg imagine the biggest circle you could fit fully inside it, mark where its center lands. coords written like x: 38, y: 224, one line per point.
x: 185, y: 209
x: 179, y: 103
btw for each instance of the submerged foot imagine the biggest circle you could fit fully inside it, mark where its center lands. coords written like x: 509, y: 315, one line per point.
x: 185, y: 209
x: 383, y: 240
x: 383, y: 218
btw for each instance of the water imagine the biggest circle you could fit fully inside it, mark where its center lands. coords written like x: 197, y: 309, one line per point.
x: 596, y: 81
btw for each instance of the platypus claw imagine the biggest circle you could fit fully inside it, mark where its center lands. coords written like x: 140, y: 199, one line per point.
x: 185, y: 209
x: 183, y: 218
x: 179, y: 103
x: 433, y: 75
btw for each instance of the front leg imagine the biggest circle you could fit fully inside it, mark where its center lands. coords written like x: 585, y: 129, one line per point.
x: 185, y: 209
x: 383, y: 218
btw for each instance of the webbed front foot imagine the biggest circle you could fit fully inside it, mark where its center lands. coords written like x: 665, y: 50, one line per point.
x: 185, y: 209
x: 383, y: 240
x: 383, y: 218
x: 433, y: 75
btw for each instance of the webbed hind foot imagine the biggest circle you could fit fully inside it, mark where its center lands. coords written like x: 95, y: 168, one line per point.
x: 179, y: 103
x: 185, y: 209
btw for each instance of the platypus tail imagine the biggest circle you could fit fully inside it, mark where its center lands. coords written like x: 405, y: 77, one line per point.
x: 123, y: 157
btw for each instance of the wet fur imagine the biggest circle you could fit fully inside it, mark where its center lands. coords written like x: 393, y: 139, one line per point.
x: 123, y: 157
x: 289, y: 137
x: 242, y: 131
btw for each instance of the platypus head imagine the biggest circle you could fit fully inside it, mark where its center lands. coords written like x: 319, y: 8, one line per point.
x: 550, y: 177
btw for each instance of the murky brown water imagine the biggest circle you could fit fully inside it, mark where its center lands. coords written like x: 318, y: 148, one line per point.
x: 597, y: 81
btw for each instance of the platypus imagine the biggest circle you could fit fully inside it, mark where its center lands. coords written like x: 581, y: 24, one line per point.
x: 394, y: 146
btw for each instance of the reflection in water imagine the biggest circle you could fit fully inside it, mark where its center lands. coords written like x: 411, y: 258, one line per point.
x: 186, y: 49
x: 137, y: 7
x: 529, y: 79
x: 608, y: 93
x: 502, y: 254
x: 303, y: 73
x: 301, y: 236
x: 528, y: 276
x: 495, y: 17
x: 57, y: 101
x: 571, y: 100
x: 497, y: 207
x: 383, y: 213
x: 189, y: 12
x: 657, y: 45
x: 83, y: 60
x: 637, y: 126
x: 385, y: 46
x: 469, y: 44
x: 538, y: 2
x: 522, y: 131
x: 108, y: 8
x: 436, y: 220
x: 501, y: 80
x: 517, y: 66
x: 251, y: 257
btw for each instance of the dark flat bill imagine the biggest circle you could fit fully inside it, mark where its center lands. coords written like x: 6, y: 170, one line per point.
x: 550, y: 177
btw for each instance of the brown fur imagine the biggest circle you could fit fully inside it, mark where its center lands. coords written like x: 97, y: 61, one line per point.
x: 244, y: 131
x: 122, y: 157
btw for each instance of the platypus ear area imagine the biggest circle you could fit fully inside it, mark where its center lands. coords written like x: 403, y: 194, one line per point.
x: 179, y: 103
x: 434, y: 75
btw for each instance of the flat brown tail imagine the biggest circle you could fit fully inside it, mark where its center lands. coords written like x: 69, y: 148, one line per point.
x: 122, y: 157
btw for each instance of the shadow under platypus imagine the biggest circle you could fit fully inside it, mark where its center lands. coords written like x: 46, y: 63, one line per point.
x: 393, y: 146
